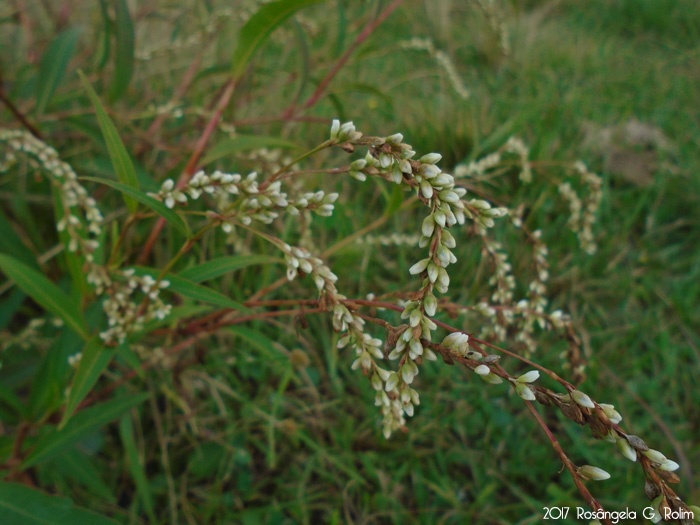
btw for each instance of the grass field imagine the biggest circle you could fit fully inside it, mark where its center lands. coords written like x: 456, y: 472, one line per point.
x: 265, y: 422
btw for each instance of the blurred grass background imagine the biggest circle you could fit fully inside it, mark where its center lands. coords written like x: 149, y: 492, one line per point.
x: 237, y: 431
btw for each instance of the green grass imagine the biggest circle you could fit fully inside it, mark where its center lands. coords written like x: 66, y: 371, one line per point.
x: 236, y: 433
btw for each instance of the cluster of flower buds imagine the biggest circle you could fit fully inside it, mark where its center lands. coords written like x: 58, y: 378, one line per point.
x: 30, y: 336
x: 81, y: 219
x: 390, y: 158
x: 394, y: 239
x: 394, y: 403
x: 131, y: 302
x: 583, y: 211
x: 517, y: 146
x: 256, y: 204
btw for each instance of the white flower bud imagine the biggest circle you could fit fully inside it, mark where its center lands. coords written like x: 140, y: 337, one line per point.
x: 581, y: 399
x: 524, y: 390
x: 419, y: 266
x: 426, y: 189
x: 430, y: 158
x: 593, y: 473
x: 396, y: 138
x: 654, y: 455
x: 529, y: 377
x: 335, y: 127
x: 391, y: 382
x: 625, y: 449
x: 428, y: 226
x: 669, y: 465
x: 482, y: 370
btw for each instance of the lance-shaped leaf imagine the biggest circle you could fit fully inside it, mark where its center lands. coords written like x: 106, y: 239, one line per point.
x: 259, y: 28
x: 124, y: 50
x: 24, y: 505
x: 192, y: 289
x: 123, y: 167
x: 53, y: 66
x: 44, y: 292
x: 80, y: 426
x: 95, y: 359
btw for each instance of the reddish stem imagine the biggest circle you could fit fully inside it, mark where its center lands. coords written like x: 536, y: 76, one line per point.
x: 221, y: 105
x: 369, y: 29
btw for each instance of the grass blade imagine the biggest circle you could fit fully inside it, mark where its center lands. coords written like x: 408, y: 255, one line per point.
x: 22, y: 505
x: 126, y: 433
x: 123, y: 167
x: 81, y: 426
x: 124, y: 49
x: 44, y: 292
x: 259, y: 28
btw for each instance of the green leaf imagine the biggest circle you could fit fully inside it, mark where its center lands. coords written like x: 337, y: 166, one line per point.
x: 305, y: 65
x: 192, y: 289
x: 232, y: 146
x: 123, y: 167
x: 222, y: 265
x: 49, y: 382
x: 157, y: 206
x: 259, y: 28
x: 11, y: 243
x: 53, y: 66
x: 22, y: 505
x: 126, y: 432
x: 80, y: 426
x: 45, y: 293
x: 94, y: 361
x: 124, y: 59
x: 104, y: 47
x: 79, y: 467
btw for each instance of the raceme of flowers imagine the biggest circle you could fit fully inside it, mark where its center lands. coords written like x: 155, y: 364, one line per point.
x: 130, y: 300
x: 123, y: 293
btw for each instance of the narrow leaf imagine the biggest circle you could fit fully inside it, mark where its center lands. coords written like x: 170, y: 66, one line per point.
x: 157, y: 206
x: 11, y: 243
x: 44, y: 292
x: 123, y: 167
x: 232, y: 146
x: 259, y: 28
x: 222, y: 265
x: 124, y: 49
x: 78, y: 467
x: 53, y: 66
x: 192, y: 289
x: 22, y: 505
x: 94, y: 361
x: 126, y: 432
x: 80, y: 426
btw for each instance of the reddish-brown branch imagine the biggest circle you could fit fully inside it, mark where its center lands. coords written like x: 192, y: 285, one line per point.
x: 567, y: 462
x: 19, y: 115
x: 368, y: 30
